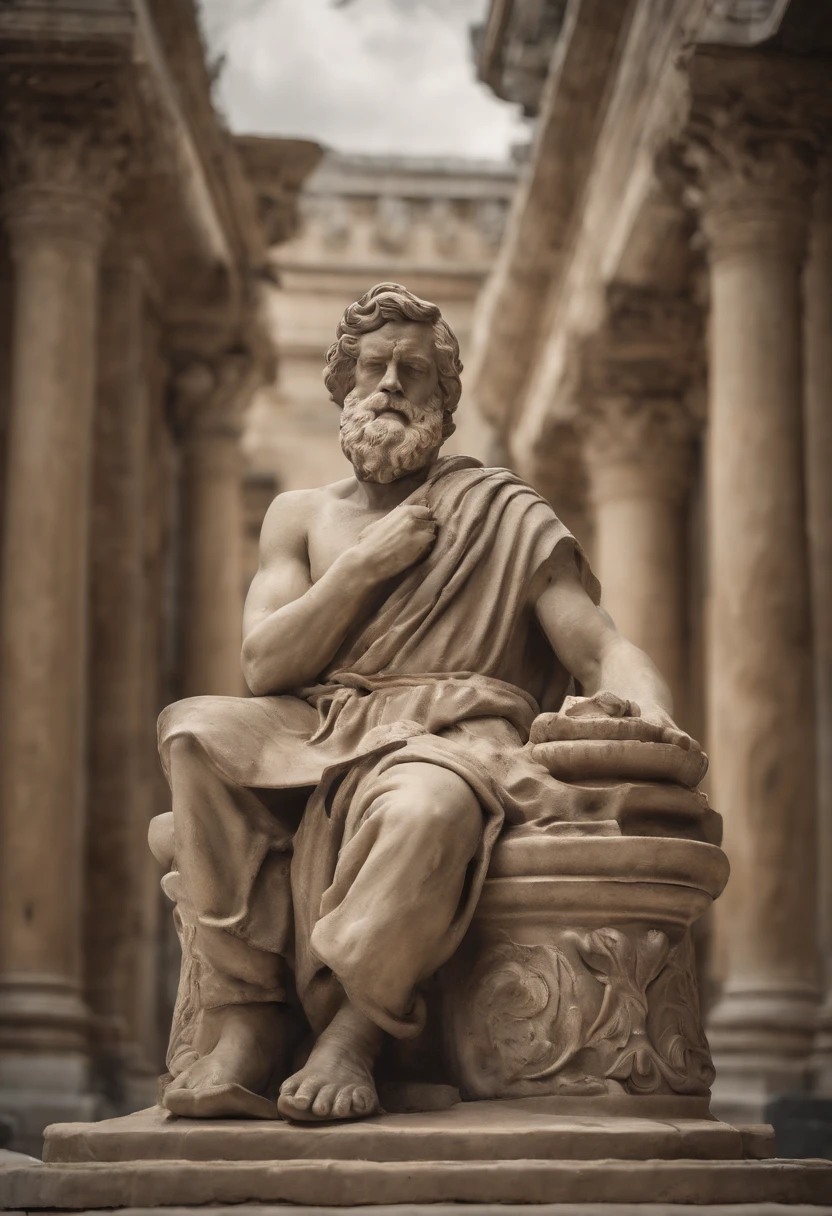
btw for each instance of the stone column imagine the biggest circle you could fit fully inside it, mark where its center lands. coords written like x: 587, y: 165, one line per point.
x: 118, y: 805
x: 211, y: 397
x: 61, y: 179
x: 753, y: 162
x: 818, y: 288
x: 639, y: 456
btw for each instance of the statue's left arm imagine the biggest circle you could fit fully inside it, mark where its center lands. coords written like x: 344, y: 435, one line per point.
x: 616, y: 677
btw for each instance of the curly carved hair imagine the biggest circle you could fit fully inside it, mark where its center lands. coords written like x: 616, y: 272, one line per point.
x: 392, y: 302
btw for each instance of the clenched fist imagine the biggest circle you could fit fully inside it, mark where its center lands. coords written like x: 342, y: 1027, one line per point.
x: 397, y: 541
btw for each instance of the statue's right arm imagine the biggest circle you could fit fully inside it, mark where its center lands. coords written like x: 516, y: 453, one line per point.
x: 292, y: 627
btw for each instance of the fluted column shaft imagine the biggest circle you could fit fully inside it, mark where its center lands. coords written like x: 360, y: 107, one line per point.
x: 818, y: 288
x: 638, y: 455
x: 55, y: 214
x: 118, y: 810
x: 756, y: 182
x: 211, y: 400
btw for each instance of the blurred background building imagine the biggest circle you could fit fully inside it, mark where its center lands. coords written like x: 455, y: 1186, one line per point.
x: 644, y: 302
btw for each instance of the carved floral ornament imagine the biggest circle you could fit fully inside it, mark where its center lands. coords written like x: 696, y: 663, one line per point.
x: 534, y: 1029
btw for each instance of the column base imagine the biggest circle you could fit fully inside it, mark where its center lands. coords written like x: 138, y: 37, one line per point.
x: 822, y: 1060
x: 761, y: 1042
x: 41, y: 1089
x: 802, y: 1125
x: 44, y: 1065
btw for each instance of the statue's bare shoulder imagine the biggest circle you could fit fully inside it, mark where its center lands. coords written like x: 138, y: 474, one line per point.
x: 290, y: 544
x: 295, y: 514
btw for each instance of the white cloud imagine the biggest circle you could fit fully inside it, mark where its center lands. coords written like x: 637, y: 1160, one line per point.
x: 378, y: 76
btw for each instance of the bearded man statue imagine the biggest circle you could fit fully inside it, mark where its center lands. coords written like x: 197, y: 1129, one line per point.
x: 332, y: 833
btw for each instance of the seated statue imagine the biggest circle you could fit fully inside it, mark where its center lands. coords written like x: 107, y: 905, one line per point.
x: 416, y: 637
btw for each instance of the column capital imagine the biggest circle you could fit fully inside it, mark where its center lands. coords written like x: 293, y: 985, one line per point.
x: 751, y: 149
x: 638, y: 447
x: 631, y: 380
x: 211, y: 393
x: 61, y: 174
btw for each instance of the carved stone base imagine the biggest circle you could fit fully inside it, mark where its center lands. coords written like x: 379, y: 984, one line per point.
x: 577, y: 975
x: 526, y: 1151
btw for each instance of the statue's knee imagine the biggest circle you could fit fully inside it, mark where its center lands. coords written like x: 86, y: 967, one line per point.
x: 160, y: 839
x: 440, y: 812
x: 184, y: 751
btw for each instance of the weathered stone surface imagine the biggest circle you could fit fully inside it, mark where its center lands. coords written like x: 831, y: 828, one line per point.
x: 341, y: 1183
x: 544, y: 1128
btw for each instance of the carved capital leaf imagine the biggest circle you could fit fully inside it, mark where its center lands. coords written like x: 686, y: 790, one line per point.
x: 751, y: 149
x: 64, y: 160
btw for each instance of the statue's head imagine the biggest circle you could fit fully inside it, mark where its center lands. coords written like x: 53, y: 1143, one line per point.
x: 394, y: 369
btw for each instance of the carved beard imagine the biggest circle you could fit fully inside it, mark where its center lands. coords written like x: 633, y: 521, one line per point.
x: 384, y: 449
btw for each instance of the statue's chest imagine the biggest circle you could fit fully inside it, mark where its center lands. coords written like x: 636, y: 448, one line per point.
x: 332, y: 533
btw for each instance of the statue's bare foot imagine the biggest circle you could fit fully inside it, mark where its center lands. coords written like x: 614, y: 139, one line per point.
x: 239, y: 1048
x: 337, y: 1079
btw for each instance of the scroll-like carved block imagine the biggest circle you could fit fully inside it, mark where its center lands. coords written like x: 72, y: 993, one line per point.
x: 577, y: 976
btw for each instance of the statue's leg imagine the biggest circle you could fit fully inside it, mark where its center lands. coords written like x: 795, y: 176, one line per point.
x: 231, y: 858
x: 387, y: 922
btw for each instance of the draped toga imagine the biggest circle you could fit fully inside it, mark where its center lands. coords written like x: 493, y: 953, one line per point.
x: 448, y: 666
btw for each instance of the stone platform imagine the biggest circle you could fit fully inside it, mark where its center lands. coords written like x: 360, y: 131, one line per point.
x: 527, y: 1151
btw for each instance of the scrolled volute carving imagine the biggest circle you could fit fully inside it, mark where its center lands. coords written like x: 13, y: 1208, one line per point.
x: 531, y: 1015
x: 535, y: 1024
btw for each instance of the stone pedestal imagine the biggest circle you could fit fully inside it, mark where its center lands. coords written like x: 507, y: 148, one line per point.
x: 55, y: 213
x: 755, y: 182
x: 528, y: 1151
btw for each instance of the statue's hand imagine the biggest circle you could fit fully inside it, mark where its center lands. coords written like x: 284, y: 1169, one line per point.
x: 606, y: 716
x: 396, y: 542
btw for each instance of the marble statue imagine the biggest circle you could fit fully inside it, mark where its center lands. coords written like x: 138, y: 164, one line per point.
x: 444, y: 723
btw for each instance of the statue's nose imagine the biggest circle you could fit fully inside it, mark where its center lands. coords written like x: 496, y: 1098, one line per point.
x: 391, y: 382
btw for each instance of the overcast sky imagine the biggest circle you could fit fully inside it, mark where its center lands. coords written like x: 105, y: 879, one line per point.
x: 381, y: 76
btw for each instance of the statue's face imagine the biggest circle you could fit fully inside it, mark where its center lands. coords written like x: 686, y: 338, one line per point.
x: 399, y: 360
x: 391, y: 423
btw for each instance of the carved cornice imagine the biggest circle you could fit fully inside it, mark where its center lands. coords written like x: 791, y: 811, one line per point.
x: 277, y: 169
x: 751, y: 150
x: 514, y: 48
x: 742, y: 22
